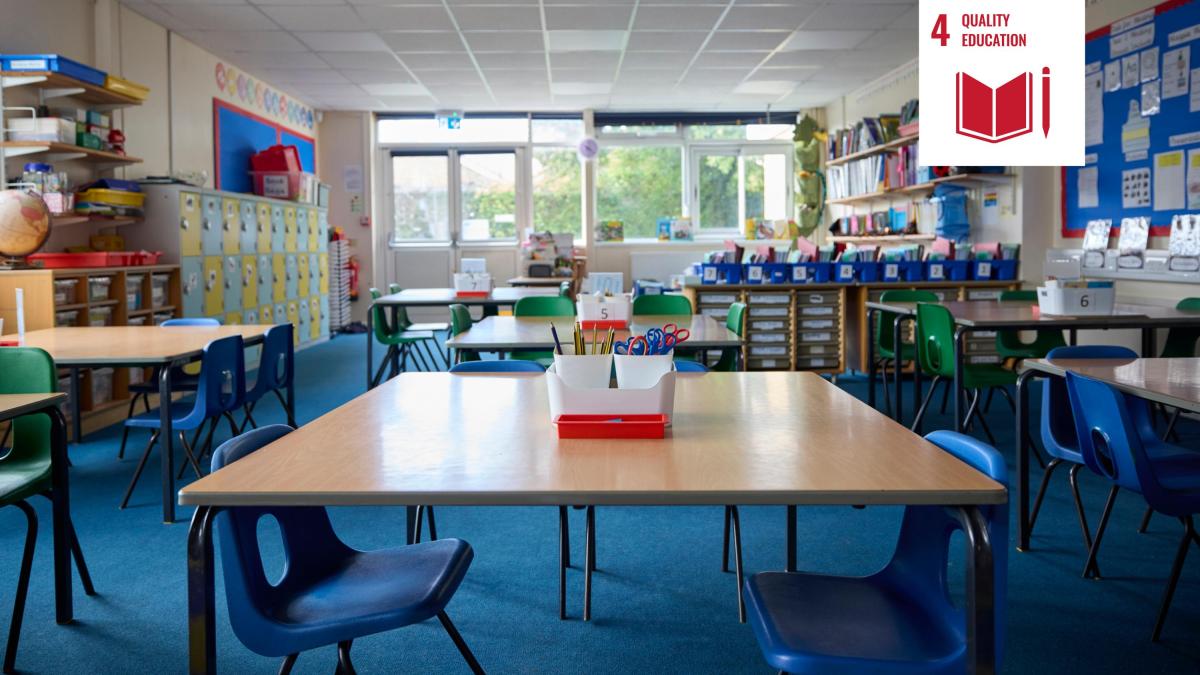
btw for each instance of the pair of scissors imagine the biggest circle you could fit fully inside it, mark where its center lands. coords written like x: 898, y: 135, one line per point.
x: 668, y: 336
x: 634, y: 346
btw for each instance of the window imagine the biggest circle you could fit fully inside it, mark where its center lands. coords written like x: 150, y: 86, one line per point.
x: 556, y: 191
x: 421, y: 198
x: 638, y: 184
x: 741, y: 132
x: 718, y: 176
x: 566, y: 131
x: 489, y: 196
x: 427, y: 131
x: 736, y: 183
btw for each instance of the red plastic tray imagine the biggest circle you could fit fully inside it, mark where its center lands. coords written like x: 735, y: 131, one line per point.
x: 611, y: 426
x: 604, y: 325
x: 61, y: 260
x: 471, y: 294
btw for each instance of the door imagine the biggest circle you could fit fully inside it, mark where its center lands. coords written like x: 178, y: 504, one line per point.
x: 210, y: 225
x: 302, y: 274
x: 291, y: 273
x: 314, y: 230
x: 233, y: 284
x: 323, y: 273
x: 314, y: 317
x: 191, y: 277
x: 289, y: 229
x: 214, y: 290
x: 418, y: 236
x: 279, y: 277
x: 264, y: 280
x: 322, y: 231
x: 277, y: 229
x: 315, y: 274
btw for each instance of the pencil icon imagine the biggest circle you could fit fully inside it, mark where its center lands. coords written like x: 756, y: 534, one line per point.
x: 1046, y: 101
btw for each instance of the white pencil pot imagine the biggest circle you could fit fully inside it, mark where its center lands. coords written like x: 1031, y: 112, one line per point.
x: 566, y: 399
x: 642, y: 372
x: 584, y: 372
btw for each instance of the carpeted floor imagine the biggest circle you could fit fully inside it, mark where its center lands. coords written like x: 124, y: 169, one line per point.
x: 661, y: 602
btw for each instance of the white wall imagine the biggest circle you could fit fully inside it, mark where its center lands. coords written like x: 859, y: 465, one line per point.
x: 346, y: 142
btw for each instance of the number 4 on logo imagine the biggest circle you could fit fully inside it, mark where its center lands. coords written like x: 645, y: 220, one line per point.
x: 939, y: 30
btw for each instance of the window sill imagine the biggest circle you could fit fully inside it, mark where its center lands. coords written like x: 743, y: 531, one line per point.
x: 699, y: 241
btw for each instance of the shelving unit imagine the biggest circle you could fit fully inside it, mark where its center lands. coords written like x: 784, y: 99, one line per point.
x: 66, y: 220
x: 890, y: 146
x: 881, y: 238
x: 57, y: 85
x: 908, y: 190
x: 65, y: 151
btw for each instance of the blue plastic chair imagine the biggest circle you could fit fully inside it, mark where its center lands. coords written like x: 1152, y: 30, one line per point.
x: 505, y: 366
x: 276, y: 368
x: 898, y: 620
x: 1058, y: 428
x: 329, y: 593
x: 685, y: 366
x: 220, y: 390
x: 1107, y: 425
x: 181, y: 380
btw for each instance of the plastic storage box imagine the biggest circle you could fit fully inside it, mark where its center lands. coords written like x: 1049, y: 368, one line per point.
x: 720, y: 273
x: 947, y: 270
x: 100, y: 316
x: 126, y: 87
x: 64, y: 291
x: 52, y: 63
x: 66, y: 318
x: 159, y: 284
x: 46, y: 129
x: 903, y: 270
x: 101, y: 386
x: 811, y: 272
x: 133, y: 291
x: 99, y: 287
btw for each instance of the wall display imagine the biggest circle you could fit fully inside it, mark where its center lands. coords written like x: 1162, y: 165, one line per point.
x: 1142, y: 125
x: 238, y: 134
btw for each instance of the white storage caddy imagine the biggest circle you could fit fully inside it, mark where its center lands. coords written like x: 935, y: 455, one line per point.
x: 1056, y: 299
x: 466, y: 282
x: 568, y: 400
x: 615, y: 308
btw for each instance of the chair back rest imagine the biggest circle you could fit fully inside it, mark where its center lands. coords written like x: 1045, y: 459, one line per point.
x: 506, y: 366
x: 884, y: 334
x: 564, y: 289
x: 921, y: 561
x: 686, y: 366
x: 276, y: 366
x: 736, y: 319
x: 1181, y: 341
x: 1058, y: 423
x: 666, y: 303
x: 1018, y: 296
x: 460, y: 319
x: 28, y: 370
x: 380, y: 325
x: 935, y: 339
x: 222, y: 384
x: 399, y: 311
x: 1108, y: 438
x: 544, y: 305
x: 309, y: 543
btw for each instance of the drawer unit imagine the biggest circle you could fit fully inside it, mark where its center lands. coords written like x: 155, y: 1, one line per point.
x: 817, y: 362
x: 807, y: 323
x: 983, y: 293
x: 767, y: 324
x: 231, y: 226
x: 769, y: 329
x: 831, y: 297
x: 767, y: 338
x: 716, y: 305
x: 774, y: 312
x: 805, y: 350
x: 760, y: 363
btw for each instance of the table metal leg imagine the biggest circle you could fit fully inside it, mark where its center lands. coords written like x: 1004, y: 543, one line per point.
x: 410, y: 524
x: 370, y: 343
x: 76, y: 408
x: 960, y: 350
x: 61, y: 509
x: 167, y: 446
x: 897, y: 385
x: 871, y: 356
x: 791, y: 538
x: 1073, y: 337
x: 1147, y: 342
x: 1022, y: 405
x: 201, y: 594
x: 980, y: 592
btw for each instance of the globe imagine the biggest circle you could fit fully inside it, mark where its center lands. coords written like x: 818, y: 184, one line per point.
x: 24, y: 223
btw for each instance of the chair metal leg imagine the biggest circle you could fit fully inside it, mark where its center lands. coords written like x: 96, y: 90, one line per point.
x: 1170, y: 432
x: 1041, y: 493
x: 137, y: 473
x: 1189, y: 535
x: 463, y: 649
x: 345, y: 667
x: 14, y: 628
x: 191, y: 456
x: 887, y: 394
x: 285, y: 668
x: 85, y: 577
x: 291, y: 420
x: 1081, y: 516
x: 432, y: 525
x: 589, y: 546
x: 925, y: 402
x: 1090, y: 569
x: 725, y: 543
x: 417, y: 530
x: 737, y: 560
x: 564, y: 560
x: 987, y: 403
x: 945, y: 398
x: 1145, y: 520
x: 250, y: 421
x: 1012, y: 405
x: 125, y: 432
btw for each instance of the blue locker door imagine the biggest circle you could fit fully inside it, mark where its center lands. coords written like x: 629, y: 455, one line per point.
x: 314, y: 275
x: 277, y: 231
x: 265, y: 282
x: 305, y: 331
x: 292, y: 281
x: 210, y: 225
x: 324, y: 318
x: 250, y: 317
x: 322, y: 231
x: 191, y: 271
x: 233, y: 284
x: 249, y: 227
x: 301, y: 229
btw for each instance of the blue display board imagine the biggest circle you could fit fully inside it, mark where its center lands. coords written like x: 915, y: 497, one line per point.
x: 1124, y: 163
x: 238, y: 134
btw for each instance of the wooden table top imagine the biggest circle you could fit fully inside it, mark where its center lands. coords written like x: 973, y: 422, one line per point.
x: 1175, y: 382
x: 15, y: 405
x: 737, y: 438
x: 993, y: 314
x: 441, y: 297
x: 131, y: 345
x: 528, y: 332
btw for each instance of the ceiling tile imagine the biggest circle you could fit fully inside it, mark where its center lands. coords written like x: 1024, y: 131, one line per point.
x: 277, y: 60
x: 423, y: 41
x: 221, y: 17
x: 457, y: 61
x: 907, y: 20
x: 406, y: 102
x: 497, y: 18
x: 853, y: 16
x: 637, y: 60
x: 513, y: 77
x: 826, y: 39
x: 342, y: 41
x: 505, y: 41
x: 672, y: 18
x: 365, y: 60
x: 742, y: 40
x: 588, y: 59
x: 435, y: 77
x: 316, y: 18
x: 376, y: 76
x: 396, y: 89
x: 585, y: 40
x: 304, y: 76
x: 581, y: 75
x: 775, y: 17
x: 793, y: 74
x: 246, y: 40
x: 661, y: 40
x: 591, y: 17
x: 294, y: 3
x: 711, y: 59
x: 328, y: 91
x: 766, y: 87
x: 490, y: 61
x: 700, y: 76
x: 406, y: 18
x: 580, y: 88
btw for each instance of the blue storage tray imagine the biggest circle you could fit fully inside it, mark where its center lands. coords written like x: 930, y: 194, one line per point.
x: 768, y: 273
x: 1004, y: 270
x: 843, y: 272
x: 903, y: 270
x: 53, y: 63
x: 720, y: 273
x: 811, y: 272
x: 984, y: 270
x: 867, y: 271
x: 947, y: 270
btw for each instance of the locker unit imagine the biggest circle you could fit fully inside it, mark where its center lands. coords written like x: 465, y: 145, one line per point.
x: 242, y: 258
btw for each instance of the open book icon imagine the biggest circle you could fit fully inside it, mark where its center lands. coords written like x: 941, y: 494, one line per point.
x: 995, y: 115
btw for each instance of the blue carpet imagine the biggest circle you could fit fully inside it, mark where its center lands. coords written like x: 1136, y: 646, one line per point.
x: 661, y: 602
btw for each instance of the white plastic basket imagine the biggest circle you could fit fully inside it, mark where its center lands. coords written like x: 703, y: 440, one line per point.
x: 568, y: 400
x: 472, y: 283
x: 1072, y: 301
x: 616, y: 308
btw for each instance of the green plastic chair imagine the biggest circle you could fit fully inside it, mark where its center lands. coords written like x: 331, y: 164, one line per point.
x: 460, y: 322
x: 1008, y: 342
x: 666, y: 304
x: 885, y: 338
x: 1181, y: 342
x: 935, y: 353
x: 736, y: 322
x: 400, y: 343
x: 541, y: 305
x: 564, y: 290
x: 26, y: 471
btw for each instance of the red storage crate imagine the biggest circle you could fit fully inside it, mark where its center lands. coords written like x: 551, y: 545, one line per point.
x: 63, y: 260
x: 611, y: 426
x: 277, y: 158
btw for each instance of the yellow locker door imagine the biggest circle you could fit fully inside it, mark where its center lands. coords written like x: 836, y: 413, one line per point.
x: 263, y: 223
x: 264, y: 316
x: 233, y: 318
x: 189, y: 224
x: 313, y: 237
x: 249, y: 281
x: 314, y: 318
x: 293, y: 317
x: 231, y: 225
x: 214, y: 290
x: 289, y: 229
x: 302, y: 278
x: 323, y: 270
x: 278, y: 277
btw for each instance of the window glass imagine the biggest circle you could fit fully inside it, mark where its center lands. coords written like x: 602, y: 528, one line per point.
x: 638, y: 184
x: 426, y: 131
x: 740, y: 132
x: 639, y: 130
x: 420, y: 209
x: 489, y: 196
x: 767, y: 185
x: 568, y: 132
x: 718, y: 188
x: 556, y: 191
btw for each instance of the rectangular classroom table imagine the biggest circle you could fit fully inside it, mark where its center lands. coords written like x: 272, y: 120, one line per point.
x: 77, y: 348
x: 1172, y: 382
x: 19, y: 405
x: 784, y: 438
x: 532, y: 333
x: 985, y: 315
x: 444, y: 297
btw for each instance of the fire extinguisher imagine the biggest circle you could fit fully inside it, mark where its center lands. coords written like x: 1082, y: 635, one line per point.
x: 353, y: 267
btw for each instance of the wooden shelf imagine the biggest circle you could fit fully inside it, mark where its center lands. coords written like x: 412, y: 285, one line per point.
x: 102, y: 303
x: 151, y: 310
x: 896, y: 193
x: 65, y: 151
x: 58, y: 85
x: 881, y: 238
x: 890, y: 146
x: 103, y: 221
x: 70, y: 307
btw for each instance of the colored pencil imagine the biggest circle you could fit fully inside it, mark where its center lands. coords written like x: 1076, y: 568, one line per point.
x: 557, y: 344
